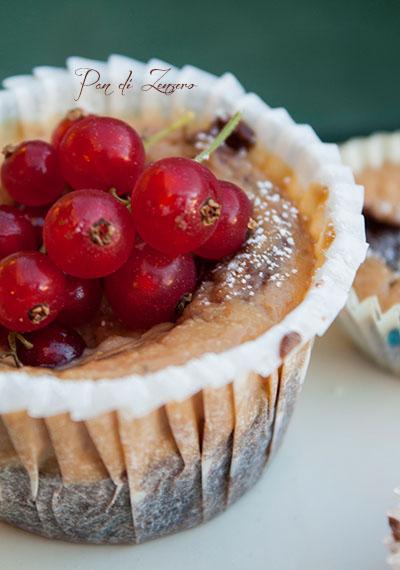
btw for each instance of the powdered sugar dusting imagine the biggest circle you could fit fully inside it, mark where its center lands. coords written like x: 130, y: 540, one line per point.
x: 203, y: 140
x: 267, y: 250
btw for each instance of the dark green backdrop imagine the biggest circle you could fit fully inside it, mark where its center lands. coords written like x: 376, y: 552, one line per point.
x: 333, y: 64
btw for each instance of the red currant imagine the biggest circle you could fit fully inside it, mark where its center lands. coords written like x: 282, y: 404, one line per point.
x: 30, y: 173
x: 53, y: 346
x: 88, y: 233
x: 174, y: 205
x: 82, y: 301
x: 232, y: 225
x: 101, y: 153
x: 35, y: 215
x: 32, y: 291
x: 70, y: 119
x: 148, y: 288
x: 16, y: 233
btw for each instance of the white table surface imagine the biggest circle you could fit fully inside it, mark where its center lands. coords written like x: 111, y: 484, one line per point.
x: 321, y: 506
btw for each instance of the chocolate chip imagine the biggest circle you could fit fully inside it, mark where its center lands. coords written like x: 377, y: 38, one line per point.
x: 288, y: 342
x: 395, y: 527
x: 243, y: 137
x: 384, y: 240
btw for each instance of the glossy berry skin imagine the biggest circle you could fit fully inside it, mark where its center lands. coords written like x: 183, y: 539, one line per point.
x: 88, y: 233
x: 64, y: 125
x: 174, y: 205
x: 101, y: 153
x: 32, y: 291
x: 232, y: 226
x: 82, y: 301
x: 148, y: 288
x: 16, y: 232
x: 30, y: 173
x: 35, y: 215
x: 54, y: 346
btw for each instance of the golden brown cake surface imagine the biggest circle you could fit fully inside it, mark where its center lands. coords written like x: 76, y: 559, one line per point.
x: 379, y: 274
x: 375, y: 278
x: 382, y: 192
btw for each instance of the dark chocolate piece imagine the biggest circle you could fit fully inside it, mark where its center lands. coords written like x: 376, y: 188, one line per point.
x: 288, y: 343
x: 243, y: 137
x: 384, y: 241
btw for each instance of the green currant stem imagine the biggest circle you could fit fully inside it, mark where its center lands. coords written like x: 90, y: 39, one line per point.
x: 220, y: 138
x: 158, y: 136
x: 125, y: 201
x: 12, y: 342
x: 22, y: 340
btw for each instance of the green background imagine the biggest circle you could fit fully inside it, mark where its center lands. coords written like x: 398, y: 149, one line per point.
x: 333, y: 64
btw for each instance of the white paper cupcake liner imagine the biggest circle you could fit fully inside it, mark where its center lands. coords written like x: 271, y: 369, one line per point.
x: 375, y: 332
x: 47, y: 96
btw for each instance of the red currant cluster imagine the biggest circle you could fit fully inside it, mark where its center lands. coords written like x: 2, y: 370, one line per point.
x: 73, y: 196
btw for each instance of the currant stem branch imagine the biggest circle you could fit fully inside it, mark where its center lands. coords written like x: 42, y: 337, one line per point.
x: 126, y: 202
x: 12, y: 342
x: 181, y: 122
x: 220, y: 138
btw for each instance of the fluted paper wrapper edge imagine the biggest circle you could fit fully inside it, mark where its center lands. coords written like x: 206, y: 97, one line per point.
x: 113, y: 479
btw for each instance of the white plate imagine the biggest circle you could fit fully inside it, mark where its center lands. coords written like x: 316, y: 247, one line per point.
x: 321, y: 506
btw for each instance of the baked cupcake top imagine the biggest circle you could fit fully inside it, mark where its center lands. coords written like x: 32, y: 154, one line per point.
x: 238, y: 297
x: 376, y: 165
x: 321, y: 188
x: 381, y: 185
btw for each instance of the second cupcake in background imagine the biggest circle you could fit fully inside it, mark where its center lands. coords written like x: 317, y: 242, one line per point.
x: 372, y: 314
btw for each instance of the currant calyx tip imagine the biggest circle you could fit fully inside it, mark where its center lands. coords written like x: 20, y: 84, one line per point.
x: 233, y: 223
x: 210, y: 212
x: 8, y: 150
x: 32, y: 291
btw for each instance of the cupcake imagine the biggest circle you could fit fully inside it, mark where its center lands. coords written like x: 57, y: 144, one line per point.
x: 393, y: 542
x: 372, y: 312
x: 165, y: 406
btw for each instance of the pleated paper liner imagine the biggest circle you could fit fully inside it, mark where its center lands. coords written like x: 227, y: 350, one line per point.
x: 375, y: 161
x: 375, y: 332
x: 121, y: 480
x: 135, y: 458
